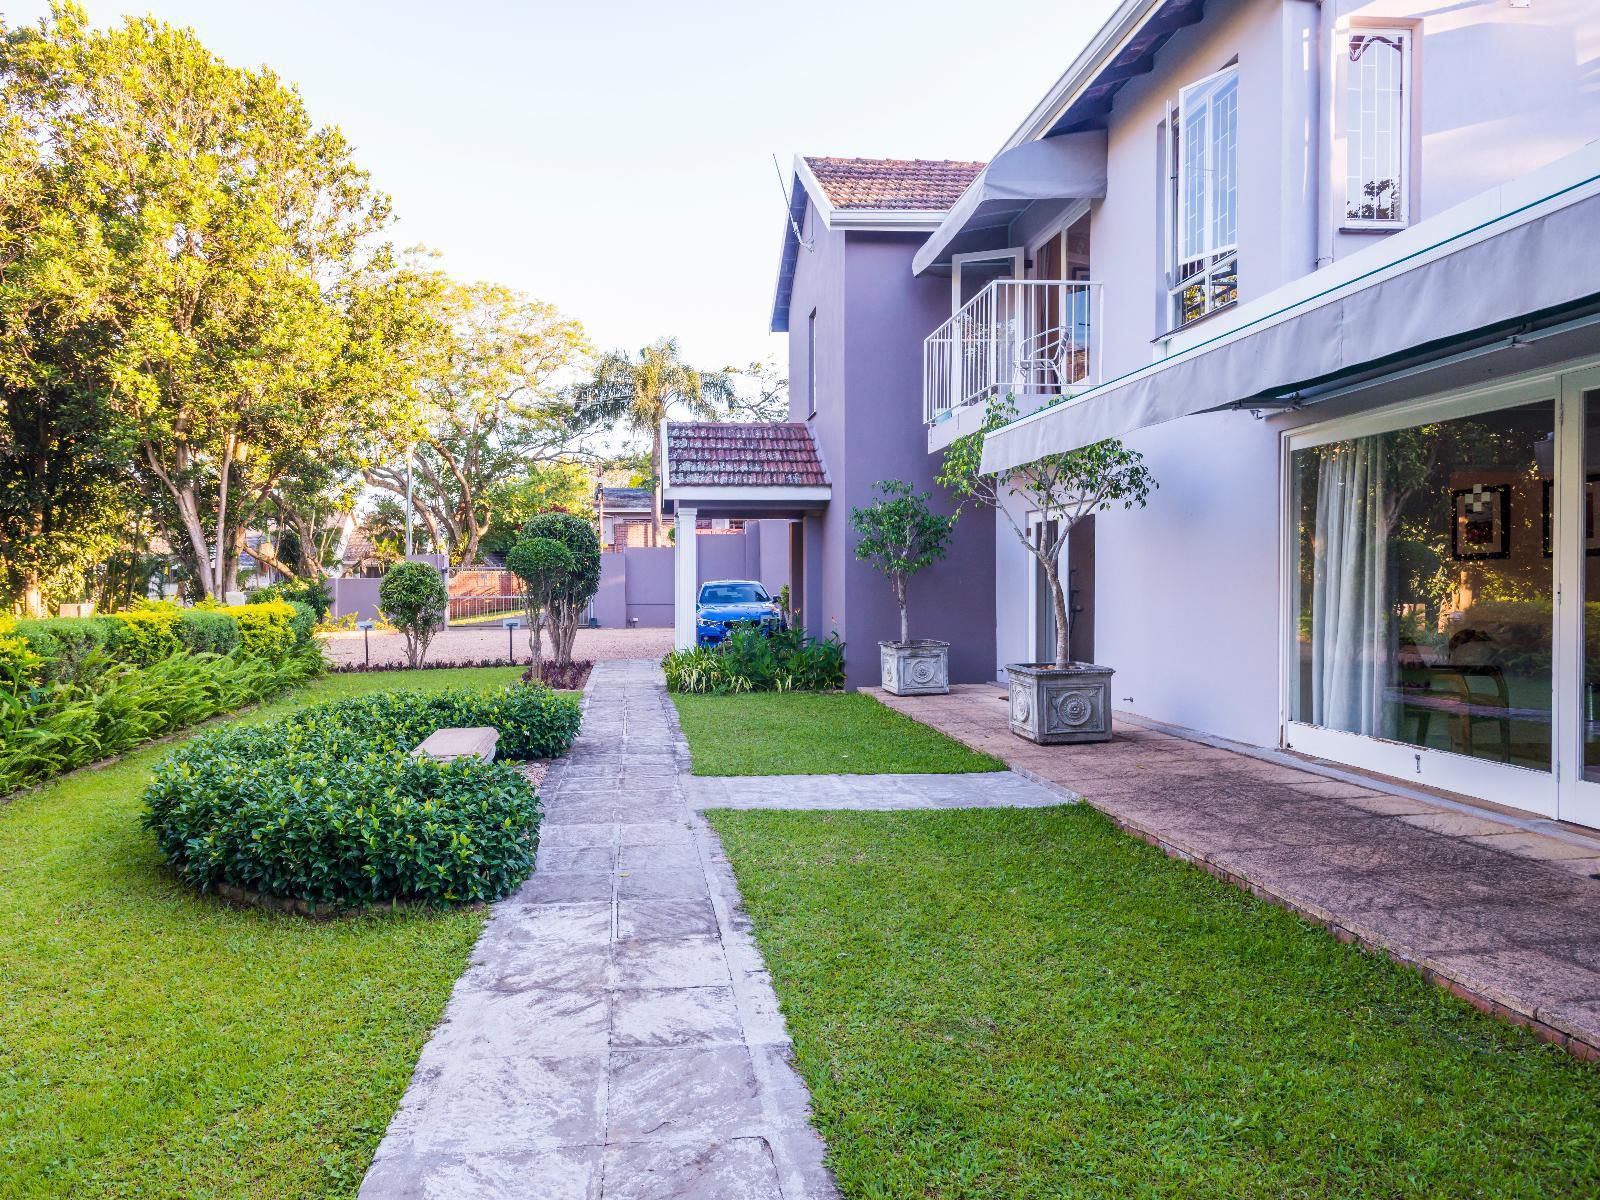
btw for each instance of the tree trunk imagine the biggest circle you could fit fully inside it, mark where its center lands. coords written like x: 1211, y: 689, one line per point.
x: 656, y: 484
x: 185, y: 499
x: 563, y: 622
x: 33, y: 604
x: 1058, y: 600
x: 900, y: 598
x: 536, y: 645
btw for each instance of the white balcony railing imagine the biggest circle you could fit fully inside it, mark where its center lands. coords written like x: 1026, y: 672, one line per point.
x: 1028, y: 337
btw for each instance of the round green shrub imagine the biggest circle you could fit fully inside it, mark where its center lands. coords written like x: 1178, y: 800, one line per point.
x: 326, y: 804
x: 73, y: 649
x: 208, y: 631
x: 414, y: 599
x: 266, y: 628
x: 579, y: 537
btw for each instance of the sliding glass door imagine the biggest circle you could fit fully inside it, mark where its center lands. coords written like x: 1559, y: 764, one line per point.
x: 1442, y: 594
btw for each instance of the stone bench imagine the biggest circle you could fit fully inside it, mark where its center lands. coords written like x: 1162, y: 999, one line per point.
x: 447, y: 745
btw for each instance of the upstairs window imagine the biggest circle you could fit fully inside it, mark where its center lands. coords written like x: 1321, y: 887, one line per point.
x: 811, y: 364
x: 1206, y: 201
x: 1377, y: 125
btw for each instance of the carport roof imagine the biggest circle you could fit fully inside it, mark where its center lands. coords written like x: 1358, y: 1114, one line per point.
x: 779, y: 454
x: 744, y: 468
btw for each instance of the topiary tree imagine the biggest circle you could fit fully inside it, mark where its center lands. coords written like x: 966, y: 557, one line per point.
x: 413, y: 598
x: 1065, y: 487
x: 545, y: 569
x: 900, y: 536
x: 568, y: 602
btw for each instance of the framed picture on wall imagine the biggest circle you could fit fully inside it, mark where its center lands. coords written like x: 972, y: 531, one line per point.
x: 1481, y: 522
x: 1591, y: 515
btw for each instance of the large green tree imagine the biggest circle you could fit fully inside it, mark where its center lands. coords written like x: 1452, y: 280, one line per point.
x: 489, y: 371
x: 212, y: 250
x: 639, y: 393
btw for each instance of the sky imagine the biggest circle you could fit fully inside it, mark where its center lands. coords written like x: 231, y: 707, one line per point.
x: 615, y: 157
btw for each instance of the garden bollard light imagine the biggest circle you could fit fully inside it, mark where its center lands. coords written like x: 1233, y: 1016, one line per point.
x: 366, y: 638
x: 512, y: 625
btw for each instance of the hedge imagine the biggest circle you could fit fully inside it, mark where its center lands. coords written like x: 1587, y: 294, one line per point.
x: 47, y: 730
x: 76, y: 649
x: 327, y: 806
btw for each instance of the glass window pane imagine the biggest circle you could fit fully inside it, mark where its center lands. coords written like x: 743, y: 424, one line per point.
x: 1424, y: 585
x: 1224, y: 165
x: 1374, y: 121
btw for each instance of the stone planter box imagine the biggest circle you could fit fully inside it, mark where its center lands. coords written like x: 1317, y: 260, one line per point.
x: 1055, y: 705
x: 915, y: 668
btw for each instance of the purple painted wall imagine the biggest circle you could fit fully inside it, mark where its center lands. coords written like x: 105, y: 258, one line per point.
x: 869, y: 426
x: 356, y: 596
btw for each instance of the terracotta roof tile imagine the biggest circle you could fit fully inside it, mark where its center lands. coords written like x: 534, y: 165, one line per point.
x: 913, y: 184
x: 718, y: 454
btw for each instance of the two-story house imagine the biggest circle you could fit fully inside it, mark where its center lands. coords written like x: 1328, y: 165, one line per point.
x: 1334, y: 270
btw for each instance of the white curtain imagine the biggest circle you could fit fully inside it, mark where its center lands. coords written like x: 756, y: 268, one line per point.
x: 1353, y: 637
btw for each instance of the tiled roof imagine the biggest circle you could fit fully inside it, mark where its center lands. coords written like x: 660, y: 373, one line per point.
x: 913, y: 184
x: 717, y: 454
x: 625, y: 497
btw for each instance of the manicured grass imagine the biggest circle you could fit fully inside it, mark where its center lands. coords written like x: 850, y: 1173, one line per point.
x: 155, y: 1043
x: 1026, y: 1003
x: 803, y: 733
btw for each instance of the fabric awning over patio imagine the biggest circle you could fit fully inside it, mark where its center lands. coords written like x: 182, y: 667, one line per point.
x: 1071, y: 166
x: 1518, y: 253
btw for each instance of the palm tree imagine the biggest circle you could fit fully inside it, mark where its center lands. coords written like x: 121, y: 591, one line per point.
x: 641, y: 392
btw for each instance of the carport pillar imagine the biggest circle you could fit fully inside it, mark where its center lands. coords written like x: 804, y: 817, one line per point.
x: 685, y: 579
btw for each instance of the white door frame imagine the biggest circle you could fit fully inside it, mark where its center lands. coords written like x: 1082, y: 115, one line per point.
x: 1578, y: 800
x: 1541, y: 792
x: 1017, y: 254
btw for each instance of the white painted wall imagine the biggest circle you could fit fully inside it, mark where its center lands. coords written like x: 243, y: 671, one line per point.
x: 1187, y: 590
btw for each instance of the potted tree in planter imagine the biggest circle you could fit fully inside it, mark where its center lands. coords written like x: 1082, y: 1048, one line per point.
x: 1060, y: 701
x: 901, y: 536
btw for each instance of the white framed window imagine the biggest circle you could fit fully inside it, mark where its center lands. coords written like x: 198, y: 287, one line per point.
x: 1377, y: 127
x: 811, y: 364
x: 1205, y: 203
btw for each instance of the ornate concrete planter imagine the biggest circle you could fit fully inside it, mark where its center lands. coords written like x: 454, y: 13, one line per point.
x: 1052, y: 705
x: 915, y: 668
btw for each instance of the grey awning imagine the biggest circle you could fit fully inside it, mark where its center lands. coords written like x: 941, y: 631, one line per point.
x: 1495, y: 261
x: 1069, y: 167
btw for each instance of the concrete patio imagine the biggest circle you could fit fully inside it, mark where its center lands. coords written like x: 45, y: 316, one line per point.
x: 1498, y: 908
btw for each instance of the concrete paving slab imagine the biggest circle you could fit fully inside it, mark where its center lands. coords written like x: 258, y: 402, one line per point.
x: 616, y: 1034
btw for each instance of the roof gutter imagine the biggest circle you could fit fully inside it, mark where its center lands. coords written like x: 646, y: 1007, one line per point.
x: 1106, y: 44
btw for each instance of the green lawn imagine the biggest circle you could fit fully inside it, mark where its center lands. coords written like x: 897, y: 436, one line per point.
x: 1026, y: 1003
x: 803, y: 733
x: 154, y: 1043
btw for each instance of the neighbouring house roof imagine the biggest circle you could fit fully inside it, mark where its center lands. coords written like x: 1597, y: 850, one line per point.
x: 904, y: 184
x: 893, y: 195
x: 779, y: 454
x: 624, y: 499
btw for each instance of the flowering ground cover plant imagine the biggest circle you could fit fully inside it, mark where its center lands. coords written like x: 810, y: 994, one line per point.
x: 326, y: 805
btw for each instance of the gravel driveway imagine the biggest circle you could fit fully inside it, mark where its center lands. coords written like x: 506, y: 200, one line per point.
x: 485, y: 643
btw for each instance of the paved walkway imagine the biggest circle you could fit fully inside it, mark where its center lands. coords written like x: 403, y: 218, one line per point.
x: 989, y: 789
x: 617, y: 1034
x: 1503, y: 911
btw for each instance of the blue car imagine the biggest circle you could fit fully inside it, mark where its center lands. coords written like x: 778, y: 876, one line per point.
x: 724, y: 603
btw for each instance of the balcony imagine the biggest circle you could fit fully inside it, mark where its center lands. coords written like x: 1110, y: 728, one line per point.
x: 1027, y: 337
